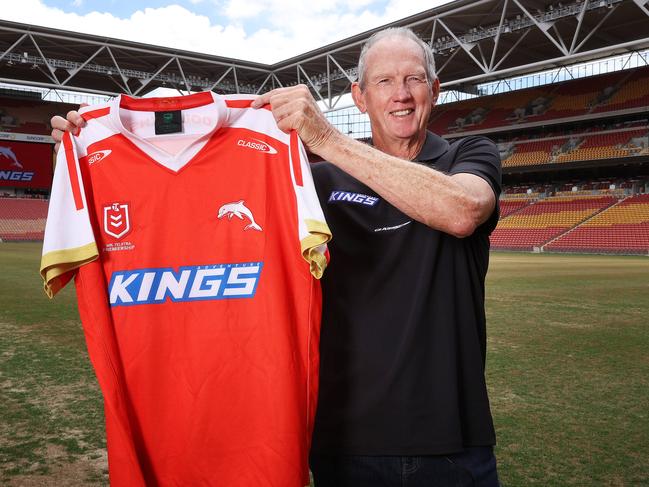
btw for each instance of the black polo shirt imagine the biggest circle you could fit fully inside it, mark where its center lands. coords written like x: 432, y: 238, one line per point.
x: 403, y: 331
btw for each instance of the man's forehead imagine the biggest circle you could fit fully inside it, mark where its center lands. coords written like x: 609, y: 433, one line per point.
x: 395, y: 40
x: 392, y: 42
x: 374, y: 72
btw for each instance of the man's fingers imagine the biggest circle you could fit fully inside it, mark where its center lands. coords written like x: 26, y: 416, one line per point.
x: 266, y: 98
x: 58, y: 123
x: 57, y: 135
x: 63, y: 125
x: 279, y: 94
x: 75, y: 119
x: 56, y: 147
x: 260, y: 101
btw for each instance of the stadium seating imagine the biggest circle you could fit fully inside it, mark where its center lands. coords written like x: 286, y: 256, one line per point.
x: 585, y: 146
x: 622, y: 228
x: 22, y: 219
x: 512, y: 205
x: 574, y: 98
x: 541, y: 221
x: 605, y: 146
x: 534, y: 152
x: 633, y: 93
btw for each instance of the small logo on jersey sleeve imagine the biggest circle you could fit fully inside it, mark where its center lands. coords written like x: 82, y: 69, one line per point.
x: 256, y: 144
x: 117, y: 223
x: 240, y: 210
x: 348, y: 197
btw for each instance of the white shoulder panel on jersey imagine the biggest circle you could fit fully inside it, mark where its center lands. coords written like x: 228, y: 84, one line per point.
x: 69, y: 241
x: 99, y: 126
x: 257, y: 119
x: 314, y: 233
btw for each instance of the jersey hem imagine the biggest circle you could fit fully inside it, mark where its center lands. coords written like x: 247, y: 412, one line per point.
x: 55, y: 264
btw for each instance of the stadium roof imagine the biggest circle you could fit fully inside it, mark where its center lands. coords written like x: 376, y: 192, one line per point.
x: 474, y: 41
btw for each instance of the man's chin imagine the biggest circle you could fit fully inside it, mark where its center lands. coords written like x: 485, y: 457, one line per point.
x: 404, y: 133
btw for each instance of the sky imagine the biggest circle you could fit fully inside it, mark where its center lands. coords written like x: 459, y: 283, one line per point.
x: 264, y: 31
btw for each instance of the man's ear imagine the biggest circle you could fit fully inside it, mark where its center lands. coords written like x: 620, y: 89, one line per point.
x: 358, y: 97
x: 435, y: 89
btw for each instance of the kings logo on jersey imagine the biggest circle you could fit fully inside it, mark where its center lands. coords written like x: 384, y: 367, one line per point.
x: 116, y: 220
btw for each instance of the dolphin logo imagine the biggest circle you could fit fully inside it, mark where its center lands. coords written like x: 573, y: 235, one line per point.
x: 239, y: 209
x: 9, y: 154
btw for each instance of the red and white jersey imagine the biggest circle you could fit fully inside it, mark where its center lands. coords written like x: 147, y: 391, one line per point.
x: 195, y: 256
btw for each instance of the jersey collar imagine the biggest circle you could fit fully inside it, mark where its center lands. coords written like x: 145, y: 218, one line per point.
x: 173, y: 162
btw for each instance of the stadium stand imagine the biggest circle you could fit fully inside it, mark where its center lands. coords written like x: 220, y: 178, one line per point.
x: 588, y: 144
x: 552, y: 140
x: 612, y: 92
x: 28, y: 116
x: 631, y: 93
x: 512, y: 205
x: 607, y: 145
x: 534, y: 152
x: 545, y: 219
x: 622, y: 228
x: 22, y: 219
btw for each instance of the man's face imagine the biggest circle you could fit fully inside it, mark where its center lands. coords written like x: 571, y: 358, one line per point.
x: 397, y: 96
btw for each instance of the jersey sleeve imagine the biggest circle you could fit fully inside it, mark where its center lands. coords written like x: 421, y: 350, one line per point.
x: 313, y: 230
x: 69, y: 241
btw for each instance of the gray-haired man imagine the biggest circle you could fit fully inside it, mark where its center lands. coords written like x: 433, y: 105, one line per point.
x: 403, y: 399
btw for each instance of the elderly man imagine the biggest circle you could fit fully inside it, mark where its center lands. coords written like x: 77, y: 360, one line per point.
x: 403, y: 399
x: 402, y: 388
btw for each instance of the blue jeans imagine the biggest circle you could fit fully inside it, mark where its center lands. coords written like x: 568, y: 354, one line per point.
x: 473, y: 467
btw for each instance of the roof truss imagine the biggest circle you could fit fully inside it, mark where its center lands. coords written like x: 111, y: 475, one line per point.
x: 473, y: 41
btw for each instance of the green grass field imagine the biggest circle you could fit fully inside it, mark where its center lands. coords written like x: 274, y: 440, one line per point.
x: 568, y: 372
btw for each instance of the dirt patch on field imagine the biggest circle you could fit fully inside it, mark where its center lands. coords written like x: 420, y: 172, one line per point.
x: 88, y: 470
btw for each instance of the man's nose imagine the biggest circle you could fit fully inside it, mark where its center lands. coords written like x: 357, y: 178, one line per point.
x: 402, y: 91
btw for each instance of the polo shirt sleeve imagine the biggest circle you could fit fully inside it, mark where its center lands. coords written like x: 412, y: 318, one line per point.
x: 480, y: 156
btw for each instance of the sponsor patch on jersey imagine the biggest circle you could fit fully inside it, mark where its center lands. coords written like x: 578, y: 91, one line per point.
x: 256, y: 144
x: 189, y: 283
x: 348, y: 197
x: 117, y: 222
x: 97, y: 156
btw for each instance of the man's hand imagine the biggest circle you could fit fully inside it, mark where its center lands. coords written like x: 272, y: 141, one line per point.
x: 295, y: 109
x: 60, y: 125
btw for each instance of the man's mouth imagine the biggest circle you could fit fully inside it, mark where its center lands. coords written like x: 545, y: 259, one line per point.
x: 402, y: 113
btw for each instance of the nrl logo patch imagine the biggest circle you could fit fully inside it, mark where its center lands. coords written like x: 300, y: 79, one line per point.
x: 117, y: 223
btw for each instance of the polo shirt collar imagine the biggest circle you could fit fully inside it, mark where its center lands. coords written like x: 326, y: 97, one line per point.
x: 434, y: 146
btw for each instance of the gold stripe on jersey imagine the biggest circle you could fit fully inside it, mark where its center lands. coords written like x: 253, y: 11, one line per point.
x: 319, y: 234
x: 56, y: 264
